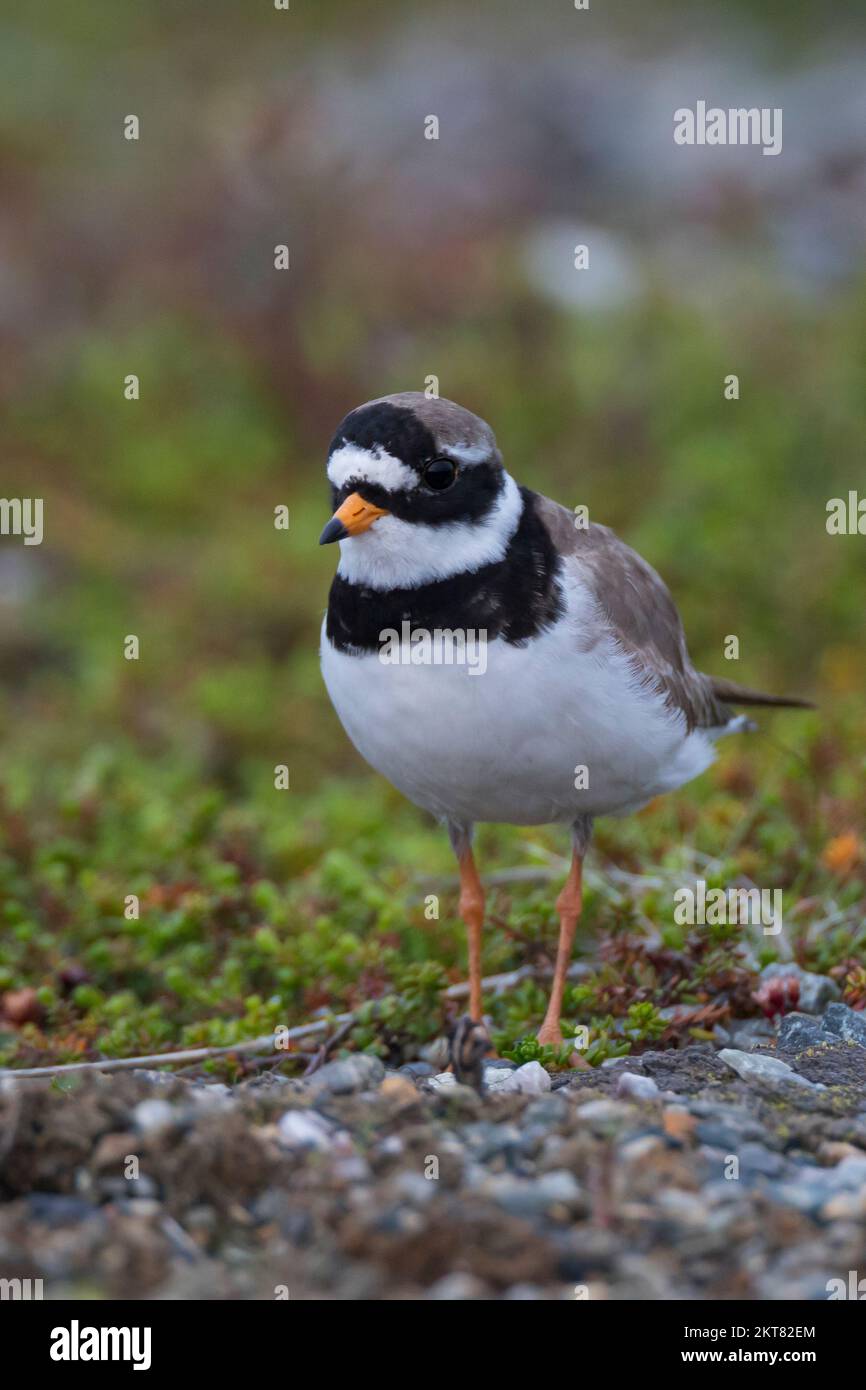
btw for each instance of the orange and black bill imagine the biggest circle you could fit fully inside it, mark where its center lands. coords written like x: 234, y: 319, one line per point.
x: 351, y: 518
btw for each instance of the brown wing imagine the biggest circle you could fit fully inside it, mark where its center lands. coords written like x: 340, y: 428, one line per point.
x: 640, y: 613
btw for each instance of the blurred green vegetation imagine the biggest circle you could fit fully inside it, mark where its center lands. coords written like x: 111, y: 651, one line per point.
x: 260, y: 909
x: 155, y: 777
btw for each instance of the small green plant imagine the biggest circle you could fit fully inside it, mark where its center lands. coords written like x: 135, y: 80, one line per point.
x: 643, y: 1023
x: 531, y: 1050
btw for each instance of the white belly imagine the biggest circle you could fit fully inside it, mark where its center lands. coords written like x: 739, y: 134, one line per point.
x: 508, y: 745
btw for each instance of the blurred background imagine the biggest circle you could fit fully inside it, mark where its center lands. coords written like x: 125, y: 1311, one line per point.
x: 409, y: 258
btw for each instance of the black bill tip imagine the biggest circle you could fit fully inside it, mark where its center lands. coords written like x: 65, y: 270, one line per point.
x: 334, y: 531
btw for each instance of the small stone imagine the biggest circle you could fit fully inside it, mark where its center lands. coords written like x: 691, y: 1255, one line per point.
x: 845, y: 1206
x: 457, y: 1288
x: 360, y: 1072
x: 846, y: 1023
x: 686, y: 1208
x: 414, y: 1188
x: 717, y: 1135
x: 755, y: 1158
x: 147, y: 1208
x: 304, y: 1129
x: 213, y: 1098
x: 635, y: 1087
x: 352, y: 1169
x: 55, y: 1209
x: 486, y: 1141
x: 679, y: 1123
x: 559, y: 1186
x: 832, y: 1151
x: 530, y: 1080
x: 815, y: 991
x: 399, y: 1091
x: 152, y: 1117
x: 602, y: 1112
x: 213, y: 1088
x: 533, y: 1197
x: 751, y: 1066
x: 443, y: 1082
x: 547, y: 1111
x: 798, y: 1031
x: 418, y: 1069
x: 391, y: 1146
x: 850, y: 1174
x: 121, y: 1188
x: 646, y: 1146
x: 750, y: 1033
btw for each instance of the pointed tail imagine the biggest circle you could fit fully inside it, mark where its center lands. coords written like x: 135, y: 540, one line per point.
x: 732, y: 694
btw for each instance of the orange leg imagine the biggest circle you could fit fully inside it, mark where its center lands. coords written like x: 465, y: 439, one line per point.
x: 568, y: 905
x: 472, y: 912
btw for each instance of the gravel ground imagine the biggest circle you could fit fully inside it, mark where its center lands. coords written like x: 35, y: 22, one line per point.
x: 729, y: 1171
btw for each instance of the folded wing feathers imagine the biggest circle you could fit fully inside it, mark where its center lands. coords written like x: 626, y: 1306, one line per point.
x: 644, y: 620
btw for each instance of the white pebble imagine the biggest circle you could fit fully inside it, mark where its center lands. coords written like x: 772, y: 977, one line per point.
x: 154, y: 1116
x: 304, y: 1129
x: 442, y: 1081
x: 530, y: 1080
x: 636, y: 1087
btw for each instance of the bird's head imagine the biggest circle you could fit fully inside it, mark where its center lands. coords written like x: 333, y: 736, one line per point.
x: 419, y: 492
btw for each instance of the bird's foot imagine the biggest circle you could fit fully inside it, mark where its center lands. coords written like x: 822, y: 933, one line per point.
x: 550, y: 1035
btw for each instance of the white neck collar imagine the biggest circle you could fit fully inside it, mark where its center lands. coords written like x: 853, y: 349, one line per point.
x: 395, y: 554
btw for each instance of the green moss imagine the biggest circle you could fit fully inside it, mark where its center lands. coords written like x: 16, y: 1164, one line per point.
x: 228, y: 945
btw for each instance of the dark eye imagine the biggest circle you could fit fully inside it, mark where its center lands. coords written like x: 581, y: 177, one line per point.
x: 440, y: 473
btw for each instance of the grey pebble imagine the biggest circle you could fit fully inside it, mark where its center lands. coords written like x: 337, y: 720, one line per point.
x: 485, y: 1141
x: 361, y: 1072
x: 751, y: 1066
x: 56, y: 1209
x: 846, y: 1023
x: 122, y: 1188
x: 535, y: 1196
x: 547, y: 1110
x: 634, y: 1087
x: 457, y: 1288
x: 798, y: 1031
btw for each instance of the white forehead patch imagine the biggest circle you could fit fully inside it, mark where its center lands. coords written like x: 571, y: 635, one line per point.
x: 370, y: 466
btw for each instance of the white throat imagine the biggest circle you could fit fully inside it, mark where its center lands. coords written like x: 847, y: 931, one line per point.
x: 395, y: 554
